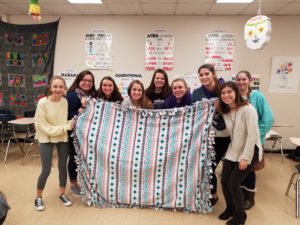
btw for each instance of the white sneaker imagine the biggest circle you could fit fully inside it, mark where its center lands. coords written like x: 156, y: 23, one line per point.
x: 65, y: 200
x: 38, y: 204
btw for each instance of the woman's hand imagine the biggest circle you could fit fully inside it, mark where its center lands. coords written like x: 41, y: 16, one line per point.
x: 243, y: 164
x: 83, y: 102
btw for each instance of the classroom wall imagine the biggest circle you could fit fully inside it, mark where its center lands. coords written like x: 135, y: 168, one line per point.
x: 129, y: 46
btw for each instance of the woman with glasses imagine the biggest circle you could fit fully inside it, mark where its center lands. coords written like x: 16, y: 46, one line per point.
x: 80, y: 92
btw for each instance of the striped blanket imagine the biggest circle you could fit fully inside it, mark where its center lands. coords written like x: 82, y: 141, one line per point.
x: 145, y: 158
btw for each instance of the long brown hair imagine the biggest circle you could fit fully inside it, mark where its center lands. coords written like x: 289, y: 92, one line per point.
x: 166, y: 90
x: 212, y: 69
x: 115, y: 95
x: 247, y: 73
x: 141, y: 100
x: 79, y: 78
x: 239, y: 101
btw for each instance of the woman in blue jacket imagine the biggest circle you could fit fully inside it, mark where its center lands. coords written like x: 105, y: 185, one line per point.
x: 180, y: 97
x: 80, y: 92
x: 265, y: 122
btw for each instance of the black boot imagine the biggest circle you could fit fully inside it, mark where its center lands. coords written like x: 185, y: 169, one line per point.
x: 238, y: 219
x: 227, y: 214
x: 249, y: 202
x: 245, y: 194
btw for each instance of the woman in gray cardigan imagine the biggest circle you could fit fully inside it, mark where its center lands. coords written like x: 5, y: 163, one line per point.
x: 243, y: 152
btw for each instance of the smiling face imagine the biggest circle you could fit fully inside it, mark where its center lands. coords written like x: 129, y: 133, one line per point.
x: 107, y: 87
x: 243, y: 82
x: 136, y: 92
x: 86, y: 83
x: 179, y: 89
x: 206, y: 77
x: 257, y: 32
x: 57, y: 89
x: 159, y: 81
x: 228, y: 96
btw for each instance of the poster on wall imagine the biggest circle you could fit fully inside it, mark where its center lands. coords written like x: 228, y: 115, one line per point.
x: 124, y: 79
x: 254, y: 82
x: 159, y: 51
x: 98, y: 54
x: 285, y: 75
x: 69, y: 75
x: 219, y: 49
x: 192, y: 80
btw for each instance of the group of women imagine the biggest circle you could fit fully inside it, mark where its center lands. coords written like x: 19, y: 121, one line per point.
x: 242, y: 119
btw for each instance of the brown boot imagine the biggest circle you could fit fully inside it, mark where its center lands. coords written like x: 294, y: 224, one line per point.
x: 249, y: 202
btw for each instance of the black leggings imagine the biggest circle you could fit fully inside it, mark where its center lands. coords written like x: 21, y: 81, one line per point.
x: 220, y: 146
x: 232, y: 177
x: 72, y: 166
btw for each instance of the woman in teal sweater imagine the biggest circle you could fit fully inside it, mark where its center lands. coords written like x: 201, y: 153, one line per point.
x: 265, y: 122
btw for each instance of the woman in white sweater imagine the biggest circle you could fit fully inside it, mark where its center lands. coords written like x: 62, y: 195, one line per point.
x: 243, y: 152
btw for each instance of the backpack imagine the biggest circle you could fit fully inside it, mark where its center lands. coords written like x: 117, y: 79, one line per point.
x: 295, y: 155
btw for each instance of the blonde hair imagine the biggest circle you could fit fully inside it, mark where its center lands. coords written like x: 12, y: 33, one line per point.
x: 51, y: 81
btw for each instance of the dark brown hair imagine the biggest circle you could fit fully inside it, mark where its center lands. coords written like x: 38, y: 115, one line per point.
x: 141, y: 100
x: 79, y: 78
x: 115, y: 95
x: 212, y: 69
x: 239, y: 101
x: 166, y: 90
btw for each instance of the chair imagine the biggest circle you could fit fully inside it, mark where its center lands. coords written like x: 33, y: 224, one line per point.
x: 6, y: 132
x: 275, y: 137
x: 295, y: 141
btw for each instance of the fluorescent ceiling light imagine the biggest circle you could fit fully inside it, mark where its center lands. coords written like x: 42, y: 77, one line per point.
x: 85, y: 1
x: 234, y: 1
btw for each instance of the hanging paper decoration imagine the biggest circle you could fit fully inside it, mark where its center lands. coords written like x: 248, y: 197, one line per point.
x: 35, y: 9
x: 257, y: 32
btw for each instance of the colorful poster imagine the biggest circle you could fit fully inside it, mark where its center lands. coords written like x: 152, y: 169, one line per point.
x: 39, y: 59
x: 69, y: 75
x: 254, y: 82
x: 124, y: 79
x: 219, y: 48
x: 17, y: 100
x: 1, y: 98
x: 15, y: 59
x: 159, y: 51
x: 98, y: 53
x: 40, y: 39
x: 16, y: 80
x: 285, y: 75
x: 39, y: 80
x: 14, y: 39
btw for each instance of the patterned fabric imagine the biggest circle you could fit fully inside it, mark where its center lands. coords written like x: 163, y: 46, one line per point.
x: 26, y: 64
x: 145, y: 158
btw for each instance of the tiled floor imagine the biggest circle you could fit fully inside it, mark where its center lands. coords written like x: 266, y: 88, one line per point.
x: 18, y: 182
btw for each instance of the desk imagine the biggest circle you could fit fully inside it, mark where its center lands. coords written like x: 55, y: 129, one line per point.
x: 274, y: 136
x: 295, y: 140
x: 26, y: 123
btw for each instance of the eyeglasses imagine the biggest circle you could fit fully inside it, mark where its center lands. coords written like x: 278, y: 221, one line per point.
x: 86, y: 81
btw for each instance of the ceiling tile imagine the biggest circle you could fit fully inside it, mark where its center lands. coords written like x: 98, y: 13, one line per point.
x: 266, y: 8
x: 4, y: 9
x: 196, y: 1
x: 120, y: 1
x: 125, y: 9
x: 90, y: 9
x: 291, y: 9
x: 193, y: 9
x: 157, y: 1
x: 61, y: 9
x: 274, y: 1
x: 159, y: 9
x: 226, y: 9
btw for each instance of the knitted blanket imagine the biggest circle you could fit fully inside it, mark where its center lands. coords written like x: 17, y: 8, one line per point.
x: 145, y: 158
